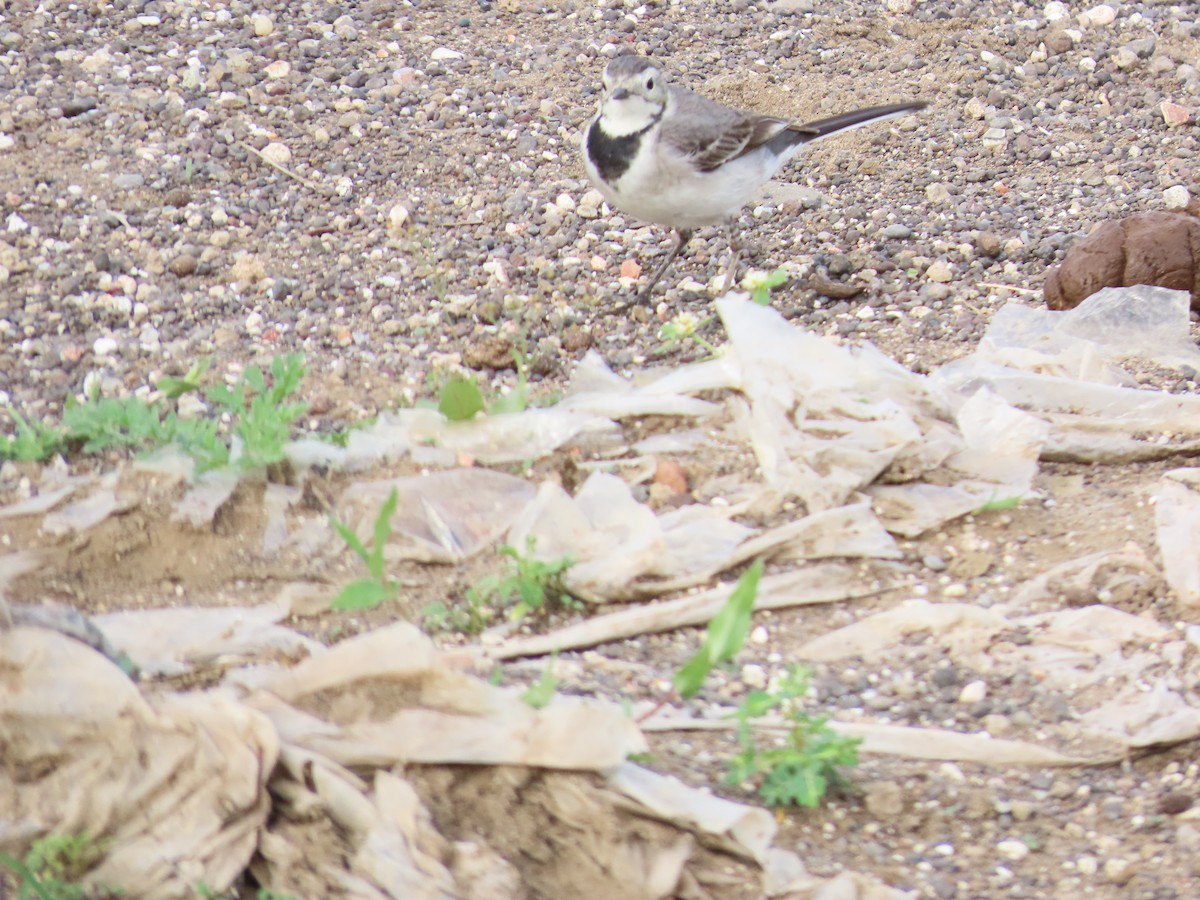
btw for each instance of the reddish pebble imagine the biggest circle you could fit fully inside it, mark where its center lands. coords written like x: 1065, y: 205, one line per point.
x: 1174, y: 114
x: 630, y: 269
x: 670, y: 474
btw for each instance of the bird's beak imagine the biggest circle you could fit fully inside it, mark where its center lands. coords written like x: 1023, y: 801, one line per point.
x: 620, y: 94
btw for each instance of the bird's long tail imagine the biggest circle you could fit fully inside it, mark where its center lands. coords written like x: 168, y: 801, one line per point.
x: 822, y: 128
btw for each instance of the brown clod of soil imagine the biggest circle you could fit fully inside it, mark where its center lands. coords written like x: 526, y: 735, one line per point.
x: 1159, y: 248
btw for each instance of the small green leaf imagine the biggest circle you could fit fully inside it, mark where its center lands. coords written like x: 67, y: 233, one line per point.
x: 460, y: 400
x: 382, y: 531
x: 690, y: 677
x: 365, y: 593
x: 352, y: 541
x: 728, y: 630
x: 999, y: 504
x: 174, y: 388
x: 540, y: 694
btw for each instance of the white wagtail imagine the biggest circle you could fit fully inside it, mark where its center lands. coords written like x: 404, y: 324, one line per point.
x: 669, y: 156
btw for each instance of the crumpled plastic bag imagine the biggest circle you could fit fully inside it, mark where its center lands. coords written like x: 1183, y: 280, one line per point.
x: 173, y: 786
x: 615, y: 540
x: 1065, y: 368
x: 1177, y: 520
x: 443, y: 517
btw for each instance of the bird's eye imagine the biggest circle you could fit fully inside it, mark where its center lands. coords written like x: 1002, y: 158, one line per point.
x: 649, y: 84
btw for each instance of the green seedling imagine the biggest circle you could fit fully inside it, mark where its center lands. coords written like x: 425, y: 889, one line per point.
x: 31, y: 441
x: 173, y: 388
x: 725, y: 636
x: 460, y: 399
x: 999, y: 504
x: 517, y: 400
x: 543, y: 690
x: 53, y: 865
x: 262, y: 415
x: 803, y: 768
x: 809, y: 761
x: 760, y: 284
x: 369, y: 592
x: 529, y: 584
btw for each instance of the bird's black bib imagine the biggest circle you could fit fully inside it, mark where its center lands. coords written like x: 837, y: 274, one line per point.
x: 612, y: 156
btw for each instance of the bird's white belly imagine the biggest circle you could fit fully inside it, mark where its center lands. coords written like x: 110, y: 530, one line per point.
x: 669, y: 191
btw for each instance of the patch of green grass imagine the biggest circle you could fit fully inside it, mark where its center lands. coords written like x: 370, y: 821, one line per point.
x: 53, y: 865
x: 808, y: 762
x: 528, y: 584
x: 811, y: 757
x: 32, y: 441
x: 377, y: 587
x: 261, y: 414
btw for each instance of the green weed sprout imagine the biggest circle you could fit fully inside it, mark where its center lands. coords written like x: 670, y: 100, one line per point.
x: 369, y: 592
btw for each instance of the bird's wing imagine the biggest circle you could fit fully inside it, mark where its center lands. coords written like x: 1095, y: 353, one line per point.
x: 712, y: 134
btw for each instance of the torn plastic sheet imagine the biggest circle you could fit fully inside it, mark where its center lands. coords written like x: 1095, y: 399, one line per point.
x: 399, y: 704
x: 427, y: 435
x: 1088, y: 342
x: 173, y: 787
x: 824, y: 420
x: 443, y: 517
x: 1063, y: 367
x: 817, y: 583
x: 615, y: 540
x: 909, y: 742
x: 172, y: 641
x: 1102, y: 657
x: 1177, y: 520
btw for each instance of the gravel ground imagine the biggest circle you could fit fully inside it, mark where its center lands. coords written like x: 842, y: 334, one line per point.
x: 394, y: 189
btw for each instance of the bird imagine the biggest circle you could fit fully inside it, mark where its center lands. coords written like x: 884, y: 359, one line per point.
x: 672, y: 157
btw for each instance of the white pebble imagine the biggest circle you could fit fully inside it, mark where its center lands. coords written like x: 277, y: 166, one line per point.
x: 973, y: 692
x: 263, y: 25
x: 277, y: 153
x: 937, y: 192
x: 1013, y: 850
x: 565, y: 202
x: 445, y: 53
x: 1176, y: 197
x: 939, y: 272
x: 281, y: 68
x: 397, y: 220
x: 1087, y: 865
x: 1098, y: 15
x: 754, y: 676
x: 1055, y: 10
x: 104, y: 346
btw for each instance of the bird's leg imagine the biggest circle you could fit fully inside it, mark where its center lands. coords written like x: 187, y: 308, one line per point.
x: 681, y: 238
x: 735, y: 257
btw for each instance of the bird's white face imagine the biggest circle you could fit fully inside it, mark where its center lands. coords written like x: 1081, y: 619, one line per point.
x: 632, y: 98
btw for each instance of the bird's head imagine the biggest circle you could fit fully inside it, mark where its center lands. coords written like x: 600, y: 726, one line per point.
x: 635, y: 93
